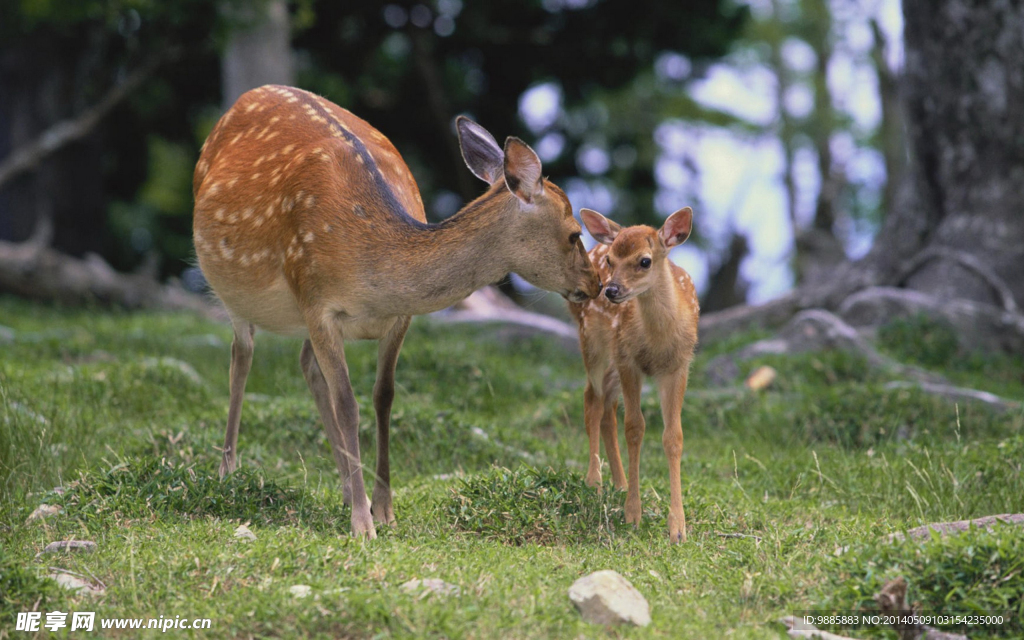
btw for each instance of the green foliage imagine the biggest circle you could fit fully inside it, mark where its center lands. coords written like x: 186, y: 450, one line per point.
x: 125, y: 413
x: 973, y: 573
x: 528, y: 505
x: 152, y: 487
x: 21, y: 589
x: 921, y: 340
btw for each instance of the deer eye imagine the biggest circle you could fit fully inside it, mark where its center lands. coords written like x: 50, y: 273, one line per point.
x: 574, y: 238
x: 609, y: 261
x: 645, y: 263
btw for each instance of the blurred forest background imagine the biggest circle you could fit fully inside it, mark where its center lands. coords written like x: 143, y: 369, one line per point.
x: 776, y: 119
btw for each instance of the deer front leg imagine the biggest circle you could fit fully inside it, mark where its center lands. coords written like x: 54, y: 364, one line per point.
x: 672, y: 388
x: 322, y: 397
x: 383, y: 396
x: 610, y: 429
x: 329, y: 349
x: 635, y: 426
x: 241, y: 362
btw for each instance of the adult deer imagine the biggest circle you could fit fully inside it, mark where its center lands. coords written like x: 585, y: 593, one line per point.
x: 308, y: 222
x: 644, y: 325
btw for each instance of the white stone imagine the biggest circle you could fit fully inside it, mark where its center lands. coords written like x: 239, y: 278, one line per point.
x: 72, y: 583
x: 430, y: 585
x: 43, y: 511
x: 300, y: 590
x: 245, y: 533
x: 605, y: 597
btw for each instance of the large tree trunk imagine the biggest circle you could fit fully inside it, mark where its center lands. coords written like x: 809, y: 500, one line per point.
x: 955, y: 236
x: 965, y: 110
x: 258, y: 55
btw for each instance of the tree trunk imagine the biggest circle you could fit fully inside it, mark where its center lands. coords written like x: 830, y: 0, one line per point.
x: 964, y: 98
x: 258, y: 55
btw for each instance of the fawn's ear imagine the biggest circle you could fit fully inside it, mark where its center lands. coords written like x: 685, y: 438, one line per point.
x: 603, y: 229
x: 522, y: 170
x: 677, y: 227
x: 480, y: 150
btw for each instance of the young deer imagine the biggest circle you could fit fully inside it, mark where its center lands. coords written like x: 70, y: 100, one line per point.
x: 644, y: 325
x: 308, y: 222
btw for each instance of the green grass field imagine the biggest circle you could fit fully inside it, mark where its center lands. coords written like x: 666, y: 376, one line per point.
x: 124, y: 413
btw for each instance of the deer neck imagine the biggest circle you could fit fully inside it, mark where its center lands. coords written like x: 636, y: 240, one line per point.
x: 434, y: 266
x: 658, y: 306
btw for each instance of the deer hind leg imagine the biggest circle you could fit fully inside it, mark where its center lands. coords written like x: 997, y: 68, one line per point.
x: 322, y: 397
x: 241, y: 362
x: 383, y: 396
x: 610, y: 428
x: 635, y: 426
x: 329, y: 349
x: 671, y: 389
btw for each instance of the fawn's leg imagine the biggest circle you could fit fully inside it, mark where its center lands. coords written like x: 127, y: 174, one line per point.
x: 322, y: 397
x: 630, y: 380
x: 383, y: 395
x: 329, y: 348
x: 241, y: 362
x: 672, y: 388
x: 610, y: 429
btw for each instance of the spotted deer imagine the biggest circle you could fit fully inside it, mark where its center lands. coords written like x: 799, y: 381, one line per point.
x: 644, y: 325
x: 308, y: 222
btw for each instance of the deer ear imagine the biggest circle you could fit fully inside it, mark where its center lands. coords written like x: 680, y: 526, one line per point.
x: 677, y: 227
x: 480, y: 150
x: 522, y: 170
x: 603, y: 229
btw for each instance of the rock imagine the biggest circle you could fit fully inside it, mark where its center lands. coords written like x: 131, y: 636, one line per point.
x: 74, y: 583
x: 244, y: 533
x: 300, y: 590
x: 605, y: 597
x: 82, y: 546
x: 761, y: 378
x: 428, y: 586
x: 43, y: 511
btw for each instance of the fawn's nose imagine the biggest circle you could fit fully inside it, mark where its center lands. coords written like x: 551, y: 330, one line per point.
x: 611, y: 291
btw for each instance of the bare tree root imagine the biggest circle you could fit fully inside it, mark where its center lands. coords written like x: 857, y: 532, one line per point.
x: 813, y: 330
x: 960, y: 526
x: 966, y: 261
x: 957, y: 394
x: 892, y: 600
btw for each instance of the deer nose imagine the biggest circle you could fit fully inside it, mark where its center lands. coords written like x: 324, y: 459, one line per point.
x: 611, y: 291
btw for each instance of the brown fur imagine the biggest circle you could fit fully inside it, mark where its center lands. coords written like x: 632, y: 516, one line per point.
x: 308, y: 222
x: 652, y: 333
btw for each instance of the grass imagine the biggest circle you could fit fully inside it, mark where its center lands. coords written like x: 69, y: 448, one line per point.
x: 116, y: 418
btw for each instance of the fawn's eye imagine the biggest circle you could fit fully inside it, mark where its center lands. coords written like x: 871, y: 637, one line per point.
x: 608, y: 261
x: 574, y: 238
x: 645, y: 263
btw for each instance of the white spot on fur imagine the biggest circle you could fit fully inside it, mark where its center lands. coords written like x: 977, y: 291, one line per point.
x: 308, y: 237
x: 226, y: 251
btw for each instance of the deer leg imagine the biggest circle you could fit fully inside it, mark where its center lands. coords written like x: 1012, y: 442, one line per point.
x: 322, y: 397
x: 383, y: 396
x: 635, y: 426
x: 610, y: 429
x: 241, y: 362
x: 592, y: 406
x: 329, y: 349
x: 672, y: 388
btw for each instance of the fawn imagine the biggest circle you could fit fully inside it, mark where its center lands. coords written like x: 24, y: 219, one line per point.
x: 644, y: 325
x: 308, y: 222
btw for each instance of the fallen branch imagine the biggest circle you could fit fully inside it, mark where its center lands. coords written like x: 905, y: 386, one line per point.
x: 488, y: 305
x: 29, y: 156
x: 34, y: 270
x: 738, y: 536
x: 796, y: 628
x: 959, y: 526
